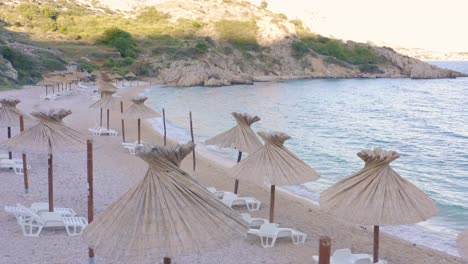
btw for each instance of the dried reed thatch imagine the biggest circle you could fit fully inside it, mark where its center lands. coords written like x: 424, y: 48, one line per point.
x: 105, y: 86
x: 108, y: 101
x: 50, y: 134
x: 130, y: 75
x: 9, y: 114
x: 45, y: 81
x: 377, y: 195
x: 166, y: 214
x: 240, y: 137
x: 462, y: 243
x: 138, y: 110
x: 273, y: 164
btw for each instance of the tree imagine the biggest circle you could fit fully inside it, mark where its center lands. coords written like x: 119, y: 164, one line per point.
x: 264, y: 4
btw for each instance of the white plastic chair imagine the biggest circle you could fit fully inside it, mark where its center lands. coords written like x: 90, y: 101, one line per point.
x: 15, y: 164
x: 254, y: 222
x: 268, y: 234
x: 44, y: 207
x: 363, y: 261
x: 218, y: 194
x: 231, y: 199
x: 33, y: 224
x: 341, y: 256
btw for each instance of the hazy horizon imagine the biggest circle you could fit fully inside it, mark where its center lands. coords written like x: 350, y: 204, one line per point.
x: 431, y: 25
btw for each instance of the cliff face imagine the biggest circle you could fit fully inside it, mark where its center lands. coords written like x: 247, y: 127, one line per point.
x: 198, y: 42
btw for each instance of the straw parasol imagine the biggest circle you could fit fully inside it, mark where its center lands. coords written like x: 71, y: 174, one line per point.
x: 46, y: 82
x: 377, y: 195
x: 130, y: 76
x: 49, y: 135
x: 167, y: 213
x: 273, y: 164
x: 462, y: 242
x: 240, y: 137
x: 138, y: 110
x: 107, y: 102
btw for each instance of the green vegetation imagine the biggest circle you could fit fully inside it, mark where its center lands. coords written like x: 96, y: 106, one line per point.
x: 121, y: 40
x: 299, y: 49
x: 29, y: 67
x: 264, y: 5
x: 241, y: 34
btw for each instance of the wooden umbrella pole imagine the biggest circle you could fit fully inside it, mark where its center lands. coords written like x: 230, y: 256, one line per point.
x: 10, y: 155
x: 53, y: 89
x: 164, y: 125
x: 90, y: 192
x: 193, y: 141
x: 108, y: 119
x: 100, y: 119
x: 139, y: 131
x: 272, y: 204
x: 123, y: 122
x: 51, y: 184
x: 25, y: 165
x: 376, y: 244
x: 236, y: 183
x: 167, y: 260
x: 46, y: 90
x: 324, y: 250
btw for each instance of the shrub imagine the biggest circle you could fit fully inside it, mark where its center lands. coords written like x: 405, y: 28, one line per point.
x: 201, y: 48
x: 264, y: 4
x: 370, y: 68
x: 121, y: 40
x: 242, y: 34
x: 299, y: 49
x: 151, y: 14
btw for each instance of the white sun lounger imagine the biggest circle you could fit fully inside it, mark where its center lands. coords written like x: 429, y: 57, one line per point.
x: 268, y: 234
x: 50, y: 97
x: 231, y: 199
x: 254, y: 222
x: 16, y: 164
x: 33, y: 225
x: 344, y: 256
x: 103, y: 131
x: 44, y: 207
x: 218, y: 194
x: 132, y: 146
x: 37, y: 208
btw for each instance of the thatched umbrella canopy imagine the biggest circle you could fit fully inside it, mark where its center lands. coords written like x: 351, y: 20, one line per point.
x: 462, y: 242
x: 240, y: 137
x: 105, y: 86
x: 46, y: 82
x: 377, y: 195
x: 167, y: 213
x: 49, y: 135
x: 273, y: 164
x: 9, y: 114
x: 108, y: 102
x: 138, y: 110
x: 130, y: 75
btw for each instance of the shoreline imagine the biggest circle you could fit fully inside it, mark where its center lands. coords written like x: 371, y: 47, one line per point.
x: 408, y: 233
x: 116, y: 173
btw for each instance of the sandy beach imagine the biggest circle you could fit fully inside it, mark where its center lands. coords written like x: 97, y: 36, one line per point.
x: 116, y: 171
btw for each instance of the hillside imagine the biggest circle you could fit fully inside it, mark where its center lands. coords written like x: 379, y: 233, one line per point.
x: 204, y: 42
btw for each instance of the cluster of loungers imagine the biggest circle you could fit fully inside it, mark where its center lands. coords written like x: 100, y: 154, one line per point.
x: 53, y: 96
x: 102, y: 131
x: 32, y: 220
x: 266, y: 231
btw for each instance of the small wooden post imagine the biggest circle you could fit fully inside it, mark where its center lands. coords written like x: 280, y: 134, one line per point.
x: 53, y: 89
x: 164, y: 125
x: 25, y: 165
x: 236, y: 183
x: 272, y: 204
x: 123, y: 122
x: 100, y: 119
x: 376, y: 244
x: 107, y: 119
x: 324, y: 250
x: 46, y: 90
x: 193, y: 141
x: 139, y: 130
x: 10, y: 155
x: 51, y: 184
x: 89, y: 149
x: 167, y: 260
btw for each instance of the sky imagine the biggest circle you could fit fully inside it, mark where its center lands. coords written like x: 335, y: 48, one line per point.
x: 434, y: 25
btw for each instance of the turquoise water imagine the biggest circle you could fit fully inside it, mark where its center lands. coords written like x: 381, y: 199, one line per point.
x: 330, y: 120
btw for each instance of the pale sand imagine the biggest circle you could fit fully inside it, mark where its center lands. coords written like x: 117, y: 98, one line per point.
x: 116, y: 171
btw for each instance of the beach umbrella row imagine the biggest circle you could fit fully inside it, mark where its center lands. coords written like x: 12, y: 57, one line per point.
x: 168, y: 213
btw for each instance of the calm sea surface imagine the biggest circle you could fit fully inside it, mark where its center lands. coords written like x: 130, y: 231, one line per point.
x: 330, y: 120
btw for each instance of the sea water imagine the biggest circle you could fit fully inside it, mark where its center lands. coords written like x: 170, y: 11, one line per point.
x: 330, y: 120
